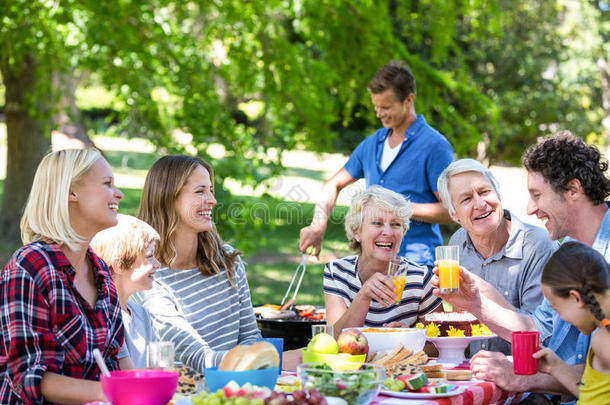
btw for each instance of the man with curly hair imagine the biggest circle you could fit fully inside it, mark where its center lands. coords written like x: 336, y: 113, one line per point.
x: 568, y: 187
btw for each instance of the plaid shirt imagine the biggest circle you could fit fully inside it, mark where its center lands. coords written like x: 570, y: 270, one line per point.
x: 46, y: 325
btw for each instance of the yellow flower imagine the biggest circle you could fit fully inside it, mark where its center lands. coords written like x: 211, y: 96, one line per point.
x: 480, y: 330
x: 432, y: 330
x: 452, y: 332
x: 419, y: 325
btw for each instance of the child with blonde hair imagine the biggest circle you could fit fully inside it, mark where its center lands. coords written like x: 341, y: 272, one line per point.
x: 128, y: 249
x: 576, y: 282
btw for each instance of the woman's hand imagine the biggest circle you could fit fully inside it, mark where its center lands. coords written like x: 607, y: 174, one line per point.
x: 548, y: 361
x: 379, y: 287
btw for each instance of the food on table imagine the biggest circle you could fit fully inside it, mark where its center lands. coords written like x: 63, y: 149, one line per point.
x: 287, y: 383
x: 356, y: 387
x: 400, y: 361
x: 433, y: 370
x: 187, y: 381
x: 323, y: 343
x: 310, y: 397
x: 458, y: 375
x: 452, y: 324
x: 414, y: 381
x: 233, y: 394
x: 352, y: 341
x: 392, y: 384
x: 257, y: 356
x: 381, y: 330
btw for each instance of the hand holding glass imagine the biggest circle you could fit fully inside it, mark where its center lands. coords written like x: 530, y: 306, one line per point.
x: 448, y: 260
x: 397, y: 271
x: 161, y: 355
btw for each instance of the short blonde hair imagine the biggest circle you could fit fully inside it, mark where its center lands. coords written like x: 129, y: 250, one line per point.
x: 381, y: 198
x: 46, y: 214
x: 457, y: 167
x: 124, y: 242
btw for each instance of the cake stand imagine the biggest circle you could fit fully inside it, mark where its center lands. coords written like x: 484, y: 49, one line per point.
x: 451, y: 349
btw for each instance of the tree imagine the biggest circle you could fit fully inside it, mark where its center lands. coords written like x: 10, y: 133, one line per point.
x: 248, y: 75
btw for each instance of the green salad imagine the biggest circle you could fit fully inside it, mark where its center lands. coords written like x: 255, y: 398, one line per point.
x: 357, y: 388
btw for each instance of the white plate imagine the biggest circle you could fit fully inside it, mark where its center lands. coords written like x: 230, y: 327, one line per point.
x: 424, y: 395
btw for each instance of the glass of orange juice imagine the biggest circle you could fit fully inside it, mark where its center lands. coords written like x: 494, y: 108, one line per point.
x: 397, y: 271
x: 448, y: 260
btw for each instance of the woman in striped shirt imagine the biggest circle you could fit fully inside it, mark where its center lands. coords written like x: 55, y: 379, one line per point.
x: 357, y: 289
x: 200, y: 300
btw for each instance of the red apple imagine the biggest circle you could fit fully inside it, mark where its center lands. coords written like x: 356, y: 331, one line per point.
x: 352, y: 341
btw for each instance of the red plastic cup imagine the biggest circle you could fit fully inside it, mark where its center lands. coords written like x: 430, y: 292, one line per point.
x: 524, y: 344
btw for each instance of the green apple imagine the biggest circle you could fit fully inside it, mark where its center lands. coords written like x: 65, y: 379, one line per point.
x: 323, y: 343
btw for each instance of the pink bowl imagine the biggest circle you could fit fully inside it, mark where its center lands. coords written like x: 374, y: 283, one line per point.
x: 140, y: 387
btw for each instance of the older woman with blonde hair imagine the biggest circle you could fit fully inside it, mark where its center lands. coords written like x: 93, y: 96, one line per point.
x: 357, y: 289
x: 57, y: 298
x: 494, y: 244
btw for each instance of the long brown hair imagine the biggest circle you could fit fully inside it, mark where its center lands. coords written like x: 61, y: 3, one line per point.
x: 576, y: 266
x: 163, y: 184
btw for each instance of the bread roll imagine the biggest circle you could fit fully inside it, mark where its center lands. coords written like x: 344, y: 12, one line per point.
x: 232, y: 358
x: 254, y: 357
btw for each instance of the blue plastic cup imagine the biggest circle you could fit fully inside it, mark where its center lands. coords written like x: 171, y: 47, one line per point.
x: 279, y: 346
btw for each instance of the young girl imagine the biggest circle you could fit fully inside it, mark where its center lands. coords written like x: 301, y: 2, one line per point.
x: 576, y: 281
x: 129, y: 250
x: 57, y: 299
x: 200, y: 300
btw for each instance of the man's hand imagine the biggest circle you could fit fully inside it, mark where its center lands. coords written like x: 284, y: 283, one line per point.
x: 495, y: 367
x: 468, y: 297
x: 312, y: 235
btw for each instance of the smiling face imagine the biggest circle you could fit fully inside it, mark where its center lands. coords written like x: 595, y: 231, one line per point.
x: 380, y: 233
x: 571, y: 309
x: 94, y: 200
x: 549, y: 206
x: 195, y: 202
x: 392, y: 112
x: 476, y: 203
x: 142, y: 272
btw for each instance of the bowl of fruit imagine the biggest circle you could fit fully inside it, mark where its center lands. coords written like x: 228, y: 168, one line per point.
x: 344, y: 353
x: 357, y: 386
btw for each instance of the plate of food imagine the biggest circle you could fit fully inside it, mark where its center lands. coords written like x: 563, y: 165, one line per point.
x: 452, y: 391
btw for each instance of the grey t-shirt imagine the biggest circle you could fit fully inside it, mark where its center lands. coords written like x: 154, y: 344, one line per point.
x: 139, y: 332
x: 514, y: 271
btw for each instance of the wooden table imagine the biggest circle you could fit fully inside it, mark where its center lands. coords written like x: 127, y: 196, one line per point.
x: 476, y: 393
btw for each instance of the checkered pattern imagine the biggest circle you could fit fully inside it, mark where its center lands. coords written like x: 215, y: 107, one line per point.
x: 46, y: 325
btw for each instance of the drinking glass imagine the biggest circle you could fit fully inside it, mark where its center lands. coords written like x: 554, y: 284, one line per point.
x: 524, y: 344
x: 322, y: 328
x: 397, y: 271
x: 161, y: 355
x: 448, y: 259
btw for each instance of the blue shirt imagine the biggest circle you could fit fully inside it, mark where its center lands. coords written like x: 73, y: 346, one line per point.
x: 423, y: 155
x: 567, y: 341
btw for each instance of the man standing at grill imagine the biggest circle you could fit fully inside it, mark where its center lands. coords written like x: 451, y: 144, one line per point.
x: 406, y: 156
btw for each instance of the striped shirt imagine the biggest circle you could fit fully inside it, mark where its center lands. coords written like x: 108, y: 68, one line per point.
x: 204, y: 316
x: 341, y: 279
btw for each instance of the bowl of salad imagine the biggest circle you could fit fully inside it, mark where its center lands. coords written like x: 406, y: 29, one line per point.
x: 357, y: 386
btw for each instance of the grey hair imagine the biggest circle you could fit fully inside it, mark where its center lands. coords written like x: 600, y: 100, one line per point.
x: 457, y: 167
x: 382, y: 198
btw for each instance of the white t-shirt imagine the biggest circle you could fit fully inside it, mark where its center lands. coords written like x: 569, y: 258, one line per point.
x: 389, y: 153
x: 139, y: 332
